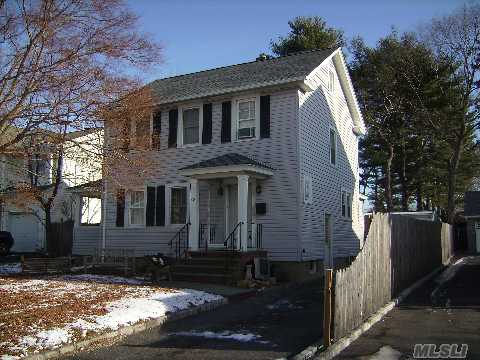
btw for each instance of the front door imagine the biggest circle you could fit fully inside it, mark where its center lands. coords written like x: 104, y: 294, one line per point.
x: 477, y: 235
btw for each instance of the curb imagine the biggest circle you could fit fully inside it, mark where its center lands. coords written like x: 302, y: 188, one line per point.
x: 126, y: 330
x: 314, y: 350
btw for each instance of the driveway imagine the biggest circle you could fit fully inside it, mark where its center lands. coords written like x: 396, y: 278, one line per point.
x: 276, y: 324
x: 444, y: 311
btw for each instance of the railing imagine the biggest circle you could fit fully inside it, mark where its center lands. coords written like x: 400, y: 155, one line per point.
x: 204, y: 235
x: 255, y: 242
x: 230, y: 245
x: 230, y: 242
x: 179, y: 243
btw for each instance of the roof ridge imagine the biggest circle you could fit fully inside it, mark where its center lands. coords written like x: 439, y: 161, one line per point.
x: 243, y: 63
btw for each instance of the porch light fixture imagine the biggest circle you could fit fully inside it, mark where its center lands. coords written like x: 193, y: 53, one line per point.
x: 258, y: 189
x: 220, y: 191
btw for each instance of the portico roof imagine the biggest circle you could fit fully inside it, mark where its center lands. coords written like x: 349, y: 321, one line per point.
x: 226, y: 166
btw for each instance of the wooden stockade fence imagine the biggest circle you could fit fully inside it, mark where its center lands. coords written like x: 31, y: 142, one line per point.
x: 398, y: 251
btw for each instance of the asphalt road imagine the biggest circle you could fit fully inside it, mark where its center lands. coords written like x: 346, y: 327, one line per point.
x: 285, y: 322
x: 433, y: 314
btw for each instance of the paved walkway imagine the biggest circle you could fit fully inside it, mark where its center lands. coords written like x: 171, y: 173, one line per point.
x: 434, y: 314
x: 284, y: 321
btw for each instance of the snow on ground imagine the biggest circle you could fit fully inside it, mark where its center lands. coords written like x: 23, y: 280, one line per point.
x: 224, y: 335
x: 103, y: 279
x: 73, y: 307
x: 11, y: 268
x: 385, y: 353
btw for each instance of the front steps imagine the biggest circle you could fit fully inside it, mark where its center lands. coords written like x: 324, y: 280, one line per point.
x: 217, y: 267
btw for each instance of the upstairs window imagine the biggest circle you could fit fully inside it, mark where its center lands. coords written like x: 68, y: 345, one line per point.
x: 333, y: 147
x: 246, y: 119
x: 178, y: 206
x: 191, y: 126
x: 346, y: 204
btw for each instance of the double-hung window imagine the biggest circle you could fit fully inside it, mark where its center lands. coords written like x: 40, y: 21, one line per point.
x: 246, y: 119
x: 136, y: 213
x: 333, y: 147
x: 178, y: 205
x: 91, y: 211
x: 191, y: 126
x: 346, y: 204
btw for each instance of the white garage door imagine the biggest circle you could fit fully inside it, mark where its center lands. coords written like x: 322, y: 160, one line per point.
x: 25, y: 232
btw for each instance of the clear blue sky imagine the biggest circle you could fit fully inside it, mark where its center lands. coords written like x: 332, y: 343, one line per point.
x: 203, y: 34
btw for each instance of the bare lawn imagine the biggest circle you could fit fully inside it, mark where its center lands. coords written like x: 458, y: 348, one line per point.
x: 44, y: 313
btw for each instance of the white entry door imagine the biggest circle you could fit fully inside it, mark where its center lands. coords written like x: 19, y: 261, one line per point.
x: 477, y: 235
x: 25, y: 231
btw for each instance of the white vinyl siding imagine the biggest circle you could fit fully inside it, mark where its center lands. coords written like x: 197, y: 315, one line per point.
x: 326, y: 137
x: 281, y: 192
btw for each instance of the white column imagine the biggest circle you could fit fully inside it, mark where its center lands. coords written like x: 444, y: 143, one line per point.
x: 243, y: 209
x: 253, y: 185
x: 194, y: 215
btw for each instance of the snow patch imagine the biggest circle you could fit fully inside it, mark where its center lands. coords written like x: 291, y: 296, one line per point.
x: 224, y: 335
x: 103, y: 279
x: 385, y: 353
x: 11, y: 268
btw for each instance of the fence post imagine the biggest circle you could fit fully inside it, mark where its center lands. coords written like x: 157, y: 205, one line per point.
x: 327, y: 308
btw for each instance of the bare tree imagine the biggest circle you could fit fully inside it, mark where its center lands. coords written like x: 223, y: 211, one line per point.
x: 62, y: 61
x: 67, y: 65
x: 456, y: 37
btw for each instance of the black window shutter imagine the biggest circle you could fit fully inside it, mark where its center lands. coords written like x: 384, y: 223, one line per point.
x: 207, y: 124
x: 157, y: 129
x: 226, y: 134
x: 120, y: 207
x: 150, y: 217
x: 160, y: 206
x: 172, y: 128
x: 265, y: 116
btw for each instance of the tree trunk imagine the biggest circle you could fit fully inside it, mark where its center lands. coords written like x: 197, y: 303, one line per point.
x: 419, y: 198
x: 47, y: 208
x: 452, y: 180
x: 388, y: 179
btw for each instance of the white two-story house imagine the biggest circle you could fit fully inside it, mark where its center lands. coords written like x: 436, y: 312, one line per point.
x: 258, y: 157
x: 82, y: 163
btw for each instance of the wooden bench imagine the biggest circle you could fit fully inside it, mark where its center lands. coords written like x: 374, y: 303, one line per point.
x: 118, y: 259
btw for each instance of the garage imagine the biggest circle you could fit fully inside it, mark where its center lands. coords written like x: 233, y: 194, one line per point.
x: 25, y: 229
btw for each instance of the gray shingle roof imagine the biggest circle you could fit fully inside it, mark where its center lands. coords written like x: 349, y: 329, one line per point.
x: 233, y: 78
x: 226, y: 160
x: 472, y: 203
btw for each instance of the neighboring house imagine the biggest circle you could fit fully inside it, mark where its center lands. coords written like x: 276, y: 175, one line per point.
x: 26, y: 220
x: 472, y: 216
x: 265, y: 151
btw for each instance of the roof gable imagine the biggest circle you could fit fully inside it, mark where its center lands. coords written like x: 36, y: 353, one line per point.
x: 347, y: 88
